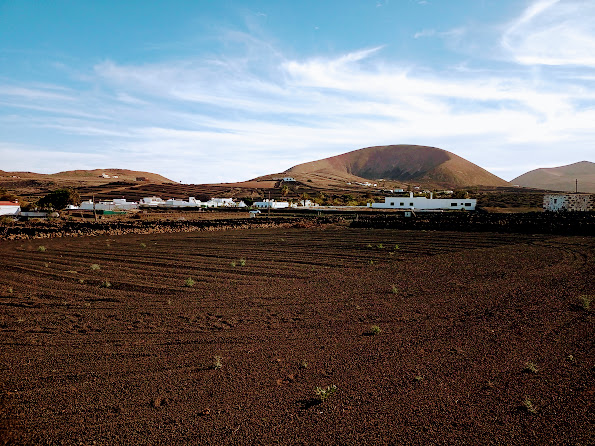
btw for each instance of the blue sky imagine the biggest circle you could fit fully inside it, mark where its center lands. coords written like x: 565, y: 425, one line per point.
x: 225, y: 90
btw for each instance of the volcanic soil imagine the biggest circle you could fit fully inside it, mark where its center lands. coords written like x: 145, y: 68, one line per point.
x: 429, y: 338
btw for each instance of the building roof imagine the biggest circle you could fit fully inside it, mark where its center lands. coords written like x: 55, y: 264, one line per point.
x: 9, y: 203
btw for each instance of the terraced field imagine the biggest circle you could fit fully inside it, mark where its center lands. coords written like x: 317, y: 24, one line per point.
x: 222, y: 337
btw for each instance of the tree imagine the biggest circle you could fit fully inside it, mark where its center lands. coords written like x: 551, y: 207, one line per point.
x: 59, y: 199
x: 284, y: 190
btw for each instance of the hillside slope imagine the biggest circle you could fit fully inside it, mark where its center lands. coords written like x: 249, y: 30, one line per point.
x: 88, y: 176
x: 405, y: 163
x: 561, y: 178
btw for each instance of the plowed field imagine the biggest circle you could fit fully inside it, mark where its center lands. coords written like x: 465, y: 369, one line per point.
x: 481, y: 338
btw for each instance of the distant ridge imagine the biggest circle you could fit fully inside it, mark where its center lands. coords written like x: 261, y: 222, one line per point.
x: 91, y: 176
x: 428, y: 166
x: 561, y: 178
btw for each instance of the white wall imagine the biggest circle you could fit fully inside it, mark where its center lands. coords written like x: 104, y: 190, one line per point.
x: 10, y: 209
x: 411, y: 202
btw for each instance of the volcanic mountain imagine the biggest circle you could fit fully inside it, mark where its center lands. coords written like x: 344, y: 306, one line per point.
x: 423, y: 165
x: 561, y: 178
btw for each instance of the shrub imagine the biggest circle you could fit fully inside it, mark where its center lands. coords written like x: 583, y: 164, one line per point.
x: 143, y: 245
x: 242, y: 262
x: 41, y: 248
x: 233, y: 263
x: 217, y: 362
x: 374, y: 330
x: 380, y: 246
x: 106, y: 284
x: 189, y: 282
x: 322, y: 393
x: 585, y: 301
x: 394, y: 289
x: 530, y: 367
x: 95, y: 267
x: 528, y: 406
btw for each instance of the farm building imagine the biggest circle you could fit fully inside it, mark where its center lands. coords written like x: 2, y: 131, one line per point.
x: 424, y: 203
x: 9, y: 208
x: 118, y: 204
x: 271, y: 204
x: 569, y: 202
x: 151, y: 201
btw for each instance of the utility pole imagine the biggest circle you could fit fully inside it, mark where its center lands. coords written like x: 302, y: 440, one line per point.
x: 269, y: 204
x: 576, y: 185
x: 94, y: 210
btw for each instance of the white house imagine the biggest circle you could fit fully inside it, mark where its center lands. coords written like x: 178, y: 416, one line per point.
x: 223, y: 201
x: 424, y: 203
x: 117, y: 204
x: 288, y: 179
x: 10, y: 208
x: 151, y: 201
x: 271, y: 204
x: 569, y: 202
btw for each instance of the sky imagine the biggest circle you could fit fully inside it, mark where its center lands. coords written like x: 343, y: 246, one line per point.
x: 205, y: 91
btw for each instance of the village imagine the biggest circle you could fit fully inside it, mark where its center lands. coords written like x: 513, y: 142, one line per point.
x: 403, y: 202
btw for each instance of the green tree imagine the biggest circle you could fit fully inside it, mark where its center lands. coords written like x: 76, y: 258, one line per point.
x: 59, y: 199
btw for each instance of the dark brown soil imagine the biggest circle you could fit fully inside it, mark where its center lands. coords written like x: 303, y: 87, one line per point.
x: 124, y: 353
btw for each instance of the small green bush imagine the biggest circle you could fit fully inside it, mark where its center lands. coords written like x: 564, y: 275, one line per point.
x: 530, y: 368
x: 528, y: 406
x: 106, y: 284
x: 95, y: 267
x: 394, y: 289
x: 41, y: 248
x: 242, y: 262
x: 143, y: 245
x: 374, y: 330
x: 322, y: 393
x: 217, y: 362
x: 189, y: 282
x: 585, y: 301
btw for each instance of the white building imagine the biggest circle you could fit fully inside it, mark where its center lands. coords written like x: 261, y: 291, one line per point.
x: 288, y: 179
x: 228, y: 202
x: 271, y: 204
x: 424, y: 203
x: 117, y: 204
x: 151, y: 201
x: 10, y: 208
x: 569, y: 202
x: 174, y: 203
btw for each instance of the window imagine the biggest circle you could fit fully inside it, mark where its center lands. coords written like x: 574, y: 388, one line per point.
x: 401, y: 204
x: 555, y: 200
x: 392, y: 203
x: 467, y: 204
x: 410, y: 204
x: 453, y: 204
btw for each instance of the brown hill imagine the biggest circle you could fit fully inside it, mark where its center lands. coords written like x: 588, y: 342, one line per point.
x: 561, y: 178
x: 427, y: 166
x: 87, y: 176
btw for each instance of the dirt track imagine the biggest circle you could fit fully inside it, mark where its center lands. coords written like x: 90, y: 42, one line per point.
x: 460, y: 316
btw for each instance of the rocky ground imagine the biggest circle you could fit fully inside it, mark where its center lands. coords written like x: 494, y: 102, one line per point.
x: 222, y: 338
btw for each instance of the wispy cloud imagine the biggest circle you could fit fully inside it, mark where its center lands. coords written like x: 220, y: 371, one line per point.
x: 553, y: 32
